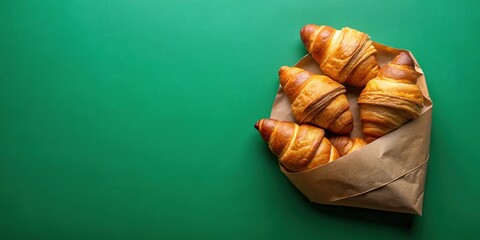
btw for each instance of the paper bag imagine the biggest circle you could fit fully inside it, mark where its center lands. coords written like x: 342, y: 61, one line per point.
x: 387, y: 174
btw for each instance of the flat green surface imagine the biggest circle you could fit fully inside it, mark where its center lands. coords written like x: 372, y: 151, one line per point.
x: 134, y: 119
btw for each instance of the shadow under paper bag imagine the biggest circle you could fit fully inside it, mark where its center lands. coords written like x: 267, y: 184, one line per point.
x: 387, y: 174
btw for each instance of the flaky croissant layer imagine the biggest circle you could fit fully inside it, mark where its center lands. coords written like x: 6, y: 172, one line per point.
x: 391, y: 99
x: 298, y: 147
x: 316, y: 99
x: 346, y: 56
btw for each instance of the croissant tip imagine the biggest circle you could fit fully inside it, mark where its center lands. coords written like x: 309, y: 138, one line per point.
x: 347, y: 129
x: 403, y: 58
x: 309, y: 26
x: 282, y: 69
x: 257, y: 125
x: 306, y: 32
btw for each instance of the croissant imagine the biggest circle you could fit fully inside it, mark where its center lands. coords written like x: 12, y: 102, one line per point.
x: 298, y: 147
x: 391, y: 99
x: 346, y: 56
x: 346, y: 145
x: 316, y: 99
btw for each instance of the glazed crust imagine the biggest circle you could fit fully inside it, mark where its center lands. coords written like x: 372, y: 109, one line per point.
x: 391, y: 99
x: 346, y: 56
x: 316, y: 99
x: 298, y: 147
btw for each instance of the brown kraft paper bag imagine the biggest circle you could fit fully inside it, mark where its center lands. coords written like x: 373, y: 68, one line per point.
x: 387, y: 174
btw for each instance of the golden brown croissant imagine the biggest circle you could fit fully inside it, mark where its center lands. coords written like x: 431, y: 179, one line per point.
x: 346, y: 145
x: 391, y: 99
x: 316, y: 99
x: 298, y: 147
x: 346, y: 56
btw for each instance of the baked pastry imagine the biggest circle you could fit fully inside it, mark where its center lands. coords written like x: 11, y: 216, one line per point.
x: 346, y: 56
x: 346, y: 145
x: 316, y: 99
x: 298, y: 147
x: 391, y: 99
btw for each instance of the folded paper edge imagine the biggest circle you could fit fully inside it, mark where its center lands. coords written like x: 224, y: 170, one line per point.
x: 384, y: 184
x: 416, y: 207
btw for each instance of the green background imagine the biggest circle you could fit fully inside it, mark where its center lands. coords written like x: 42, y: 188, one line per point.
x: 134, y: 119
